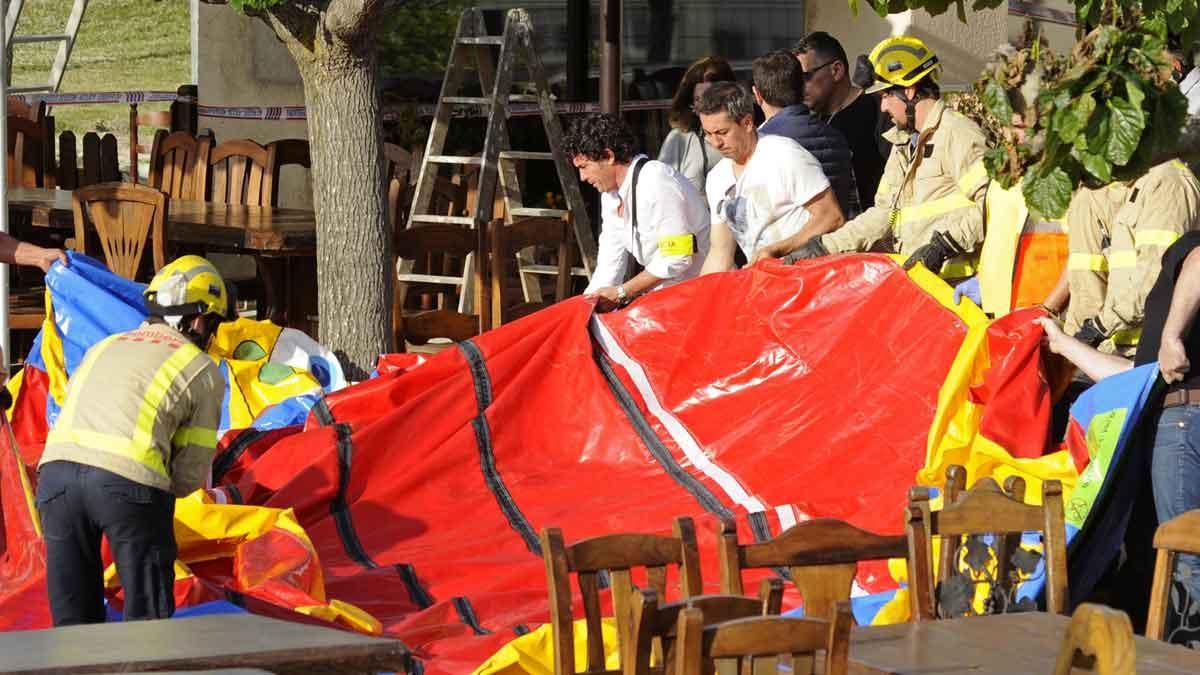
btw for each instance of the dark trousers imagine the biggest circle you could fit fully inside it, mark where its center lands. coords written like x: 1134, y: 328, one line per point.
x: 77, y: 504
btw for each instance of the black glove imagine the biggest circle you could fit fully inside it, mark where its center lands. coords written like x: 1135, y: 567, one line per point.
x: 935, y: 254
x: 1091, y: 332
x: 813, y: 248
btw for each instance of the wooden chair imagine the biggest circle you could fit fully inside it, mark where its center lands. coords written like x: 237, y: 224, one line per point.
x: 27, y: 142
x: 139, y: 124
x: 984, y: 509
x: 420, y: 243
x: 288, y: 152
x: 399, y: 184
x: 652, y: 631
x: 120, y: 217
x: 507, y: 240
x: 1099, y: 640
x: 699, y: 647
x: 1181, y: 534
x: 17, y: 107
x: 241, y: 172
x: 822, y: 556
x: 179, y: 164
x: 615, y: 554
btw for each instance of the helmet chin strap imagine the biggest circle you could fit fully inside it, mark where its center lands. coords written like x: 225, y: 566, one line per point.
x: 910, y: 110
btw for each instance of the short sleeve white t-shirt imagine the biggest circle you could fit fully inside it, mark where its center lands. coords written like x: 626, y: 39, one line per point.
x: 766, y: 204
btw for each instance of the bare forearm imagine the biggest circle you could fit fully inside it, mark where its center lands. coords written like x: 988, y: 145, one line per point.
x: 1094, y: 363
x: 1185, y: 300
x: 641, y: 283
x: 720, y: 250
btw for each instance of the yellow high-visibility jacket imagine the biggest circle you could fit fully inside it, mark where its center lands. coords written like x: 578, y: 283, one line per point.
x: 937, y: 187
x: 144, y: 405
x: 1008, y: 219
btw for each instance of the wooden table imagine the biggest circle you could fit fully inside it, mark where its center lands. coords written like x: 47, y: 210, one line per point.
x: 284, y: 240
x: 1006, y: 643
x: 199, y: 643
x: 252, y: 229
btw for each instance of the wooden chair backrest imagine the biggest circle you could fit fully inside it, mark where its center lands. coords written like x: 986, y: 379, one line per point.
x: 1180, y: 534
x: 179, y: 164
x: 985, y: 509
x: 616, y: 555
x: 399, y: 184
x: 506, y: 241
x: 241, y: 172
x: 418, y: 244
x: 99, y: 160
x: 822, y: 556
x: 17, y: 107
x: 123, y: 216
x: 699, y: 646
x: 1099, y: 640
x: 652, y: 630
x: 288, y: 152
x: 27, y: 141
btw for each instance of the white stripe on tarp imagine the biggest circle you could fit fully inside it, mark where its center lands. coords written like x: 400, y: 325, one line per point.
x: 787, y: 516
x: 679, y: 433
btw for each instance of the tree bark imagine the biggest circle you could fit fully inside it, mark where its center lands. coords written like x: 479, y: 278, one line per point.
x: 337, y: 63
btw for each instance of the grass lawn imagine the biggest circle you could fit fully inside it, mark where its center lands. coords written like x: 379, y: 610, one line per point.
x: 123, y: 45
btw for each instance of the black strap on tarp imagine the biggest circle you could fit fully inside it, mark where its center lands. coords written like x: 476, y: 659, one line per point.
x: 339, y: 509
x: 487, y: 456
x: 322, y: 412
x: 416, y: 592
x: 233, y: 452
x: 467, y: 614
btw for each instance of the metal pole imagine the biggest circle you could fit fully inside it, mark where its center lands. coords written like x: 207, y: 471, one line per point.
x: 610, y: 55
x: 4, y: 68
x: 579, y: 47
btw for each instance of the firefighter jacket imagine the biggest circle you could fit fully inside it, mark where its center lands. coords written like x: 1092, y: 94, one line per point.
x: 1117, y: 236
x: 936, y: 186
x: 144, y: 405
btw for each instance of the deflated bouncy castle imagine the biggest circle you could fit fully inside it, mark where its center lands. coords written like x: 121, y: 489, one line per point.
x: 409, y: 505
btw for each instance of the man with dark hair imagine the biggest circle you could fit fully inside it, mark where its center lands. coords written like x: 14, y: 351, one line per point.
x: 929, y: 206
x: 647, y: 210
x: 769, y: 195
x: 829, y: 93
x: 778, y: 88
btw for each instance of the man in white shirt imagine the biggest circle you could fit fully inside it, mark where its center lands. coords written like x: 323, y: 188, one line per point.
x: 647, y: 210
x: 769, y: 195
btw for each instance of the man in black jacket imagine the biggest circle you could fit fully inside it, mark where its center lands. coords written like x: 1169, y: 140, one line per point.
x: 831, y: 96
x: 778, y: 90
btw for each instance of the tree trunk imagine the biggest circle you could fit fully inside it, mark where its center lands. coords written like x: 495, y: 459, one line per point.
x: 334, y: 47
x: 353, y: 237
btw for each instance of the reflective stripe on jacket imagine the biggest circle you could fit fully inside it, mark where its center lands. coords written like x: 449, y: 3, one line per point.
x: 937, y: 187
x: 144, y: 405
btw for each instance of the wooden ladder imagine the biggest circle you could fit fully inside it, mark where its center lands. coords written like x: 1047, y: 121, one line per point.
x: 496, y: 163
x: 65, y: 40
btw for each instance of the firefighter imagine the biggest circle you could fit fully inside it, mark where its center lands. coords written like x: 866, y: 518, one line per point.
x: 1117, y: 235
x: 929, y: 205
x: 137, y: 429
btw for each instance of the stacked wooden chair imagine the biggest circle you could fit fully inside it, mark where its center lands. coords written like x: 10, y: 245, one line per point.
x: 985, y: 509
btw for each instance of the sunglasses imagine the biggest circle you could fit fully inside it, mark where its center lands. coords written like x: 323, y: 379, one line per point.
x: 808, y: 74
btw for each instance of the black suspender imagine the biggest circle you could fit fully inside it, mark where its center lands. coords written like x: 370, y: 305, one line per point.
x: 637, y: 169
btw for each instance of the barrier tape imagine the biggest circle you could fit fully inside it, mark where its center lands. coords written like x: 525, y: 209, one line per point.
x: 92, y: 98
x: 290, y: 113
x: 423, y: 110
